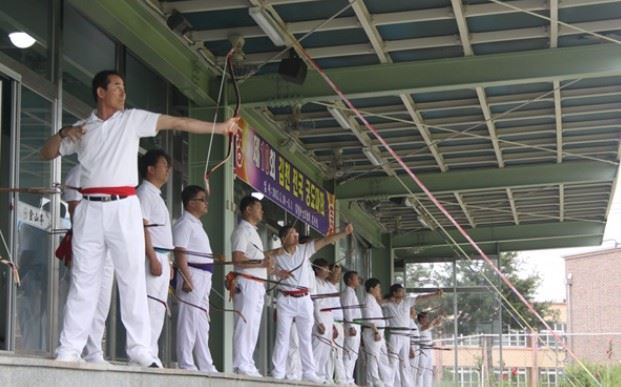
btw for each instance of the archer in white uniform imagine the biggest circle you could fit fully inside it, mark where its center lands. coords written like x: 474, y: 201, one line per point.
x: 194, y: 286
x: 294, y: 302
x: 155, y: 170
x: 352, y: 331
x: 109, y: 217
x: 425, y: 361
x: 337, y: 366
x: 93, y: 352
x: 399, y: 308
x: 379, y: 373
x: 249, y: 290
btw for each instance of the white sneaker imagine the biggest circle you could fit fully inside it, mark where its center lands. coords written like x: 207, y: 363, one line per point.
x: 100, y: 361
x: 312, y: 378
x: 145, y: 360
x: 68, y: 357
x: 253, y: 373
x: 96, y: 359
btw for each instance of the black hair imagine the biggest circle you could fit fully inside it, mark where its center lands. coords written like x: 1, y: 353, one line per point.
x: 421, y: 316
x: 102, y: 79
x: 151, y: 158
x: 347, y: 277
x: 334, y: 266
x: 284, y: 230
x: 246, y: 202
x: 319, y: 263
x: 190, y: 193
x: 394, y: 288
x: 371, y: 283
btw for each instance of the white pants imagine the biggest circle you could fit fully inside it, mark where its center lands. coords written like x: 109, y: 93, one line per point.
x: 294, y: 362
x: 323, y: 347
x: 414, y: 364
x: 338, y: 369
x: 379, y: 372
x: 425, y: 368
x: 193, y: 323
x: 249, y: 302
x: 157, y: 287
x: 350, y: 355
x: 300, y: 308
x: 93, y: 350
x: 399, y: 345
x: 100, y: 228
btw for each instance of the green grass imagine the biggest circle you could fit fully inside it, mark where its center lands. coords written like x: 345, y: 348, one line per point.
x: 606, y: 375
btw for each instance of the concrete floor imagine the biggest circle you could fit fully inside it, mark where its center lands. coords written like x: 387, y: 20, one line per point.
x: 20, y: 371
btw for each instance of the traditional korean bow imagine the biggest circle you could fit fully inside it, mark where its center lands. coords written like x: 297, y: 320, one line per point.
x: 227, y: 68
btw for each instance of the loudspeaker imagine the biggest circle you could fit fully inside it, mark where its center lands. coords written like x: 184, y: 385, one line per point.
x: 293, y: 69
x: 178, y: 23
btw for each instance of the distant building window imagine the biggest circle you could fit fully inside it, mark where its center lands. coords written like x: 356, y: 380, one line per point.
x: 550, y: 338
x: 466, y: 377
x: 515, y: 339
x: 549, y: 377
x: 514, y: 376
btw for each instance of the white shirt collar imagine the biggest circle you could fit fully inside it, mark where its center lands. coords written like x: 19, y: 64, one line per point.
x: 192, y: 217
x: 245, y: 222
x: 151, y: 187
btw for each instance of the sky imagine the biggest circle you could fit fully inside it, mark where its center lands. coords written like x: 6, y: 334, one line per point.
x: 550, y: 263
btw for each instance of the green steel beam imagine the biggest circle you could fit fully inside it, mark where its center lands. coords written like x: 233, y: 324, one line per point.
x: 446, y: 253
x: 480, y: 179
x: 587, y: 61
x: 500, y: 234
x: 145, y: 34
x: 364, y: 224
x: 382, y: 259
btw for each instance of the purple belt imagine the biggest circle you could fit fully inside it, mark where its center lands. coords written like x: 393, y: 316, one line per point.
x: 202, y: 266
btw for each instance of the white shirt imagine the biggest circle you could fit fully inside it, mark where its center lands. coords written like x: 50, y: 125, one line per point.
x: 300, y: 257
x: 72, y: 180
x: 188, y: 233
x: 322, y: 287
x: 348, y: 297
x: 399, y: 313
x: 246, y: 239
x: 426, y: 340
x: 373, y: 310
x: 337, y: 314
x: 108, y: 151
x: 154, y: 210
x: 414, y: 333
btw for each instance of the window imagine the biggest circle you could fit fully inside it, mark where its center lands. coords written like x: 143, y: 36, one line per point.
x: 80, y: 36
x: 34, y: 18
x: 33, y: 224
x: 549, y: 377
x: 514, y: 377
x: 515, y: 339
x: 550, y: 338
x: 466, y: 377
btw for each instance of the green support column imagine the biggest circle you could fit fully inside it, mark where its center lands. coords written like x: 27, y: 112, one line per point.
x: 382, y: 260
x: 218, y: 223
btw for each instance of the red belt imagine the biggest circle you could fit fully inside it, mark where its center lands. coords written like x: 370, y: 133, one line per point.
x: 124, y: 191
x: 295, y: 293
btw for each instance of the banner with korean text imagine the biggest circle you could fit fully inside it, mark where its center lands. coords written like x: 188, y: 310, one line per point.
x: 262, y: 167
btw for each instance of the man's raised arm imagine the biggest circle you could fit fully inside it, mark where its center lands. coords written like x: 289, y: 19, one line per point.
x: 192, y: 125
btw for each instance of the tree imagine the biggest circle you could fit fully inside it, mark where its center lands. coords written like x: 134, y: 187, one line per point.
x: 479, y: 308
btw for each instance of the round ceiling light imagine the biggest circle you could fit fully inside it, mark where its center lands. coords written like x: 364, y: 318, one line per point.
x: 21, y: 39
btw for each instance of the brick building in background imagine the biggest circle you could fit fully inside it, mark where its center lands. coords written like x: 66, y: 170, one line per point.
x: 594, y: 305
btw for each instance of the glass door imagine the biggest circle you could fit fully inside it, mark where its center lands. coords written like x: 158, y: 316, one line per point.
x: 5, y: 181
x: 33, y: 227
